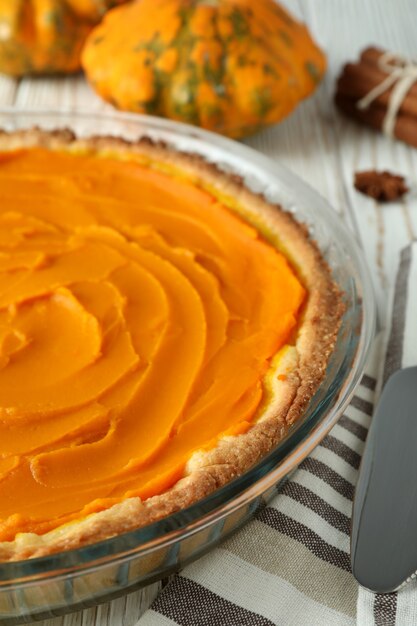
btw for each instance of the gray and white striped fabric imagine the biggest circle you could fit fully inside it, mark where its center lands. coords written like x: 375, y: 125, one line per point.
x: 400, y: 350
x: 290, y: 566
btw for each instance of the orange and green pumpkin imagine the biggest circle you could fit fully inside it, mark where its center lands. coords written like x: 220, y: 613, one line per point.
x: 46, y: 36
x: 232, y: 66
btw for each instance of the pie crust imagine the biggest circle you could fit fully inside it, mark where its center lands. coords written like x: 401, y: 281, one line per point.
x: 304, y: 365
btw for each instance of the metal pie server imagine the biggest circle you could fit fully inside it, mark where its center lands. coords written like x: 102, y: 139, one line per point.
x: 384, y: 520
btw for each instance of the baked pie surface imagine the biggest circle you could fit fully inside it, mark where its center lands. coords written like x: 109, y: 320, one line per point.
x: 161, y: 326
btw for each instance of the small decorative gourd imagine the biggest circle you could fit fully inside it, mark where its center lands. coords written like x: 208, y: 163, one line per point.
x: 232, y: 66
x: 46, y: 36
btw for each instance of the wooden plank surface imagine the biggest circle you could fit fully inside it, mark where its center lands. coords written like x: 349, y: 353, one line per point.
x: 318, y: 144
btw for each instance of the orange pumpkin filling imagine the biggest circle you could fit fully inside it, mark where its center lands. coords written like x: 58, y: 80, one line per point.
x: 138, y: 319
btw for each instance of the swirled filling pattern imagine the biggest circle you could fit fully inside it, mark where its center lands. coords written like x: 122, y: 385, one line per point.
x: 138, y: 318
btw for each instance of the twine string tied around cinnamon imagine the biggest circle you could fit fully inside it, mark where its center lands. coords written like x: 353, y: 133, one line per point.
x: 402, y: 74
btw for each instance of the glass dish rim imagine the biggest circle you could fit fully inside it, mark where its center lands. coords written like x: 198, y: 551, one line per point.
x: 190, y: 521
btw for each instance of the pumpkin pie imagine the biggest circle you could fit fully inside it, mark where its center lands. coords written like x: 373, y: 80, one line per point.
x: 161, y: 328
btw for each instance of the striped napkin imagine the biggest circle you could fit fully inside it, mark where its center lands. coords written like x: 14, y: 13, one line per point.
x: 400, y: 350
x: 290, y: 566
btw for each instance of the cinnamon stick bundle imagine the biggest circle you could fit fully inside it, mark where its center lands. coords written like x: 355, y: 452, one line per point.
x: 358, y: 79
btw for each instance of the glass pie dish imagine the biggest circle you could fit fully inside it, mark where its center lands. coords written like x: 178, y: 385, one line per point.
x: 44, y: 587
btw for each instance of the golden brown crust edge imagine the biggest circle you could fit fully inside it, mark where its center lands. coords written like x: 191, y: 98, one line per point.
x: 207, y: 471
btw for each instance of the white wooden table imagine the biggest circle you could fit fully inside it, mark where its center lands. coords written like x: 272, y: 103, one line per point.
x: 319, y: 145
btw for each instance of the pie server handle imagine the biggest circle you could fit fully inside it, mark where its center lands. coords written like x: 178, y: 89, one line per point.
x: 384, y: 519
